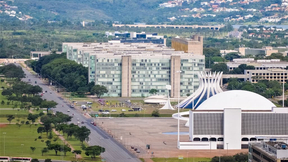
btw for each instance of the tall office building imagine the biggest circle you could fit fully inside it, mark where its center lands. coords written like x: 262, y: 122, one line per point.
x: 132, y: 70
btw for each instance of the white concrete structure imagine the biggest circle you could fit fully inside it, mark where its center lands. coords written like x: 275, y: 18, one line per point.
x: 231, y: 119
x: 209, y: 86
x: 245, y: 100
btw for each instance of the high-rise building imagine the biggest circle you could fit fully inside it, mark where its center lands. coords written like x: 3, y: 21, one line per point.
x: 132, y: 70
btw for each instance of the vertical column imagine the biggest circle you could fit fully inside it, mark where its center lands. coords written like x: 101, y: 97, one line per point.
x: 126, y: 76
x: 191, y: 125
x: 232, y: 128
x: 175, y: 76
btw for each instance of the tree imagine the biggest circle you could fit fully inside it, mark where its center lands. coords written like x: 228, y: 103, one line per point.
x: 65, y: 149
x: 82, y: 133
x: 155, y: 113
x: 48, y: 142
x: 220, y: 67
x: 40, y: 130
x: 10, y: 118
x: 7, y: 92
x: 32, y: 117
x: 99, y: 90
x: 48, y: 104
x: 94, y: 151
x: 78, y: 152
x: 33, y: 149
x: 231, y: 56
x: 241, y: 157
x: 34, y: 160
x: 44, y: 150
x: 56, y: 147
x: 153, y: 91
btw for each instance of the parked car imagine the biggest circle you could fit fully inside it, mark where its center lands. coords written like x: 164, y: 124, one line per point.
x: 113, y: 110
x: 105, y: 113
x: 100, y: 110
x: 71, y: 106
x: 89, y: 103
x: 123, y: 110
x: 35, y: 82
x: 83, y: 107
x: 130, y: 110
x: 68, y: 110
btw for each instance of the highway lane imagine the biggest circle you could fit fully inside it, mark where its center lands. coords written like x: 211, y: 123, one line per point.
x: 114, y: 152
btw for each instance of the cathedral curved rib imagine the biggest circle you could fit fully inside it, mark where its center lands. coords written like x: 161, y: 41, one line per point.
x: 209, y: 85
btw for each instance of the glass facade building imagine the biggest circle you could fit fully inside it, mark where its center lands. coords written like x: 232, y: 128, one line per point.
x: 132, y: 70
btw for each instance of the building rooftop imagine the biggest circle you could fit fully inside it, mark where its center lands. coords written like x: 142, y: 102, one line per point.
x: 278, y: 145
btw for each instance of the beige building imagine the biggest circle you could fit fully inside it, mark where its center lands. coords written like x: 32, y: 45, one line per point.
x: 193, y: 45
x: 254, y: 76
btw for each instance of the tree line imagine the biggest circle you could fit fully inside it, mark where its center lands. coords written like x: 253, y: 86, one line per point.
x: 66, y: 74
x: 268, y: 89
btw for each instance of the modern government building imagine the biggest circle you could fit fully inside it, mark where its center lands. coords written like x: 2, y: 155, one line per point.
x: 133, y: 69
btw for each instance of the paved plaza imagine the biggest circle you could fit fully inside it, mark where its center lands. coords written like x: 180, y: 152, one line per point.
x: 138, y: 132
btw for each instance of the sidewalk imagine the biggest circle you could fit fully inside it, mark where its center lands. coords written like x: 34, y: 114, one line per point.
x: 66, y: 143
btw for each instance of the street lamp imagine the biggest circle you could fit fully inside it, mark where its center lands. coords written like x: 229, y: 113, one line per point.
x: 178, y: 139
x: 227, y: 147
x: 4, y: 134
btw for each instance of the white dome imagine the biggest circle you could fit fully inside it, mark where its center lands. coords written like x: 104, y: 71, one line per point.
x: 237, y: 99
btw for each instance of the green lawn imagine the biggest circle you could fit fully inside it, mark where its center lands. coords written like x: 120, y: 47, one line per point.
x: 181, y: 160
x: 5, y: 105
x: 21, y: 115
x: 19, y: 140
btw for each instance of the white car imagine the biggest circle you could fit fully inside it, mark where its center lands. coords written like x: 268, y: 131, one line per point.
x: 89, y: 103
x: 83, y: 107
x: 123, y: 110
x: 68, y: 110
x: 105, y: 113
x: 113, y: 110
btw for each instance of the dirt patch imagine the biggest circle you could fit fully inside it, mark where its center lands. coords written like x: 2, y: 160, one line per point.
x: 3, y: 125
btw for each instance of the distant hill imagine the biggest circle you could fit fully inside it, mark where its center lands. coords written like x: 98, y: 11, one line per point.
x: 151, y: 11
x: 118, y: 10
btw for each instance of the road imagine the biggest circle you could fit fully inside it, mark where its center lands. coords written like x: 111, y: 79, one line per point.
x: 114, y: 151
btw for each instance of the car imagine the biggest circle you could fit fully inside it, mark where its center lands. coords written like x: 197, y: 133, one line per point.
x: 35, y: 82
x: 100, y: 110
x: 83, y: 107
x: 130, y: 110
x: 113, y: 110
x: 123, y: 110
x: 82, y: 122
x: 78, y: 122
x: 71, y: 106
x: 89, y: 103
x: 107, y: 111
x: 89, y: 106
x: 68, y: 110
x: 78, y: 119
x: 29, y: 80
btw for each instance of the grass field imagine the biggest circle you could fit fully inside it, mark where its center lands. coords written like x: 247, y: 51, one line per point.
x: 181, y: 160
x: 19, y: 140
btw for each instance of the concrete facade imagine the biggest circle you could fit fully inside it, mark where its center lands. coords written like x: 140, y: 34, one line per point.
x: 175, y: 76
x: 268, y: 151
x: 193, y: 45
x: 126, y: 76
x: 132, y: 70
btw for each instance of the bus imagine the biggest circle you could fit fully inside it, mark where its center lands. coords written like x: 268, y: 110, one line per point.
x: 4, y: 159
x: 21, y: 159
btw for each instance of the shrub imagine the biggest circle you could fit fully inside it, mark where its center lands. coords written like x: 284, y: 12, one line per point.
x: 136, y: 115
x: 2, y: 102
x: 39, y: 137
x: 8, y: 103
x: 155, y: 113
